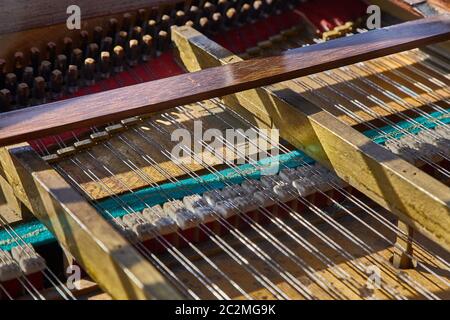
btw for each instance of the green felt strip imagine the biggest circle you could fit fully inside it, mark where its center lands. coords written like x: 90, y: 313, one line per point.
x: 157, y: 195
x: 35, y: 233
x: 390, y: 132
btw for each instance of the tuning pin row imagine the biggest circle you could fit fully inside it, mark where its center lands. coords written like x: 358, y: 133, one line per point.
x: 122, y: 43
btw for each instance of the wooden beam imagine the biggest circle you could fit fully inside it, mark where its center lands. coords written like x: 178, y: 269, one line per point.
x: 105, y: 255
x: 406, y: 11
x: 11, y: 209
x: 415, y: 197
x: 35, y: 122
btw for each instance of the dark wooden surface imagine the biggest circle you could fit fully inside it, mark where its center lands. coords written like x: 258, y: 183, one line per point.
x: 18, y: 15
x: 109, y: 106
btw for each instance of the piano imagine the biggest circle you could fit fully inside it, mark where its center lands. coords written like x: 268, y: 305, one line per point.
x: 228, y: 149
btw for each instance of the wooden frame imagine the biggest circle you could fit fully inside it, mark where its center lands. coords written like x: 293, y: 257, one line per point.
x: 52, y: 118
x: 111, y: 260
x: 412, y: 195
x: 105, y: 255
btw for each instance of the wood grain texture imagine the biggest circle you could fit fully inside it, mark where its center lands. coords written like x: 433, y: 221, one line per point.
x: 404, y: 11
x: 109, y: 106
x: 18, y: 15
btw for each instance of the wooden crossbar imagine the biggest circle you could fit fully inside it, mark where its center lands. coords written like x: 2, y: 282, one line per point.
x: 114, y: 105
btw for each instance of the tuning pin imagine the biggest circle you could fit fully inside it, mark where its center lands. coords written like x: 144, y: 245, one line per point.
x: 165, y: 23
x: 231, y: 17
x: 68, y: 47
x: 5, y: 100
x: 136, y: 33
x: 147, y: 47
x: 72, y: 78
x: 216, y: 22
x: 244, y: 13
x: 92, y: 51
x: 257, y: 9
x: 223, y: 6
x: 118, y: 58
x: 39, y: 89
x: 189, y: 23
x: 208, y: 9
x: 180, y: 18
x: 122, y: 37
x: 106, y: 44
x: 105, y: 64
x: 61, y: 63
x: 35, y: 58
x: 97, y: 35
x: 133, y: 52
x: 277, y: 40
x: 77, y: 58
x: 89, y: 71
x: 56, y: 83
x: 253, y: 52
x: 23, y: 94
x: 45, y: 69
x: 203, y: 24
x: 141, y: 17
x: 19, y: 64
x: 51, y: 52
x: 194, y: 14
x: 84, y: 40
x: 112, y: 27
x: 126, y: 21
x: 28, y: 76
x: 150, y: 28
x: 163, y: 41
x: 11, y: 83
x: 266, y: 47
